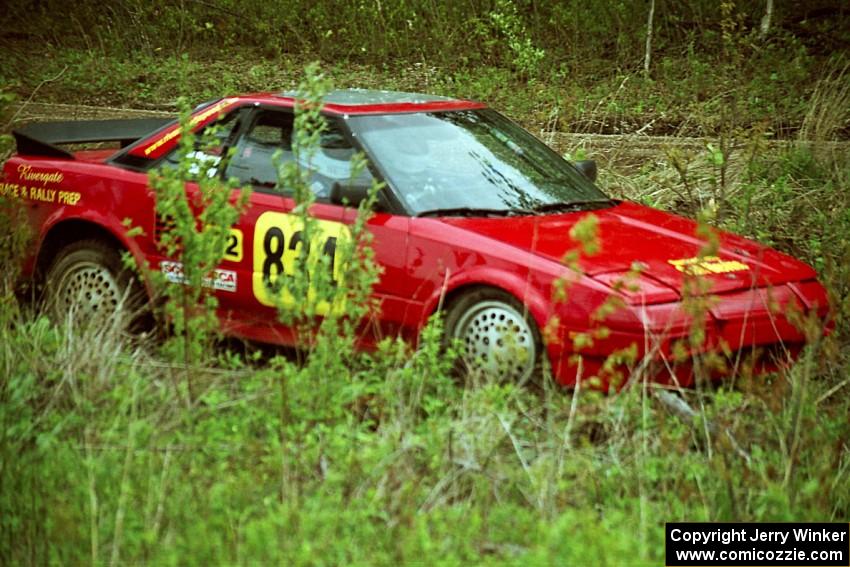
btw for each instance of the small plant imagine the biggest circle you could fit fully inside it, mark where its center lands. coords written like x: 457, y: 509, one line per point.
x: 526, y: 58
x: 15, y: 234
x: 194, y: 207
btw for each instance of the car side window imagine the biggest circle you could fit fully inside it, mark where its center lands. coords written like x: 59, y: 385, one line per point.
x: 210, y: 145
x: 252, y: 162
x: 332, y: 162
x: 271, y: 132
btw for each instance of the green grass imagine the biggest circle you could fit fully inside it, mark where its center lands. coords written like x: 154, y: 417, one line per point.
x: 385, y: 461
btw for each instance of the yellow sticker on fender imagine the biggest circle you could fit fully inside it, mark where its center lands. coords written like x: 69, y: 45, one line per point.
x: 279, y: 241
x: 707, y: 265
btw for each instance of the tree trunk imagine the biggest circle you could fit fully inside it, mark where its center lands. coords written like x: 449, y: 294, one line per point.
x: 765, y: 20
x: 647, y: 58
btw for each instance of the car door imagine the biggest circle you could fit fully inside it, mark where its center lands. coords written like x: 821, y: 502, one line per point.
x: 271, y: 230
x: 269, y: 237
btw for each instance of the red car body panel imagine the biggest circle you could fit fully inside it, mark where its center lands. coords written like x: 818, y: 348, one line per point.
x: 425, y: 261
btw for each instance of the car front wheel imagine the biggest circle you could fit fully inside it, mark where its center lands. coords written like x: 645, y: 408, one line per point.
x: 497, y: 335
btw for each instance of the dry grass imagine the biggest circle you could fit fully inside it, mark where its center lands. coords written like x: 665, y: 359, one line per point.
x: 829, y: 106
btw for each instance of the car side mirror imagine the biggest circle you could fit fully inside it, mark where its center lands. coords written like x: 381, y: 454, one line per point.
x: 350, y: 192
x: 587, y: 167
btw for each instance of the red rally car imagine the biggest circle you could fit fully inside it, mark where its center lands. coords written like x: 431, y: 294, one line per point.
x: 475, y: 216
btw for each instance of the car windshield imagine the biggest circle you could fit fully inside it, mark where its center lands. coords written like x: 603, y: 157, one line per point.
x: 473, y: 161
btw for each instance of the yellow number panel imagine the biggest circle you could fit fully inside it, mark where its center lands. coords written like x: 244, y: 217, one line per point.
x: 278, y: 242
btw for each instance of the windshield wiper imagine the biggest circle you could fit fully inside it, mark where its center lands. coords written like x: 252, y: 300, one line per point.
x: 473, y: 212
x: 588, y: 205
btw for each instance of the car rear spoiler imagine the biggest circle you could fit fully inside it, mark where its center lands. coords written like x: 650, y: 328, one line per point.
x: 41, y: 138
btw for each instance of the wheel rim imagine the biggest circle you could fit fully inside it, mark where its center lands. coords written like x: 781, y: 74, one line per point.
x: 89, y: 289
x: 497, y: 339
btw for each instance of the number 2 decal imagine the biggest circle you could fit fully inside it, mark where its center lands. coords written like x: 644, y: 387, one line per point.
x: 233, y: 251
x: 278, y: 244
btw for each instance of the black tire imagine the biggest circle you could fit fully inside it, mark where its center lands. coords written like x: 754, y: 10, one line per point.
x: 497, y: 334
x: 88, y: 281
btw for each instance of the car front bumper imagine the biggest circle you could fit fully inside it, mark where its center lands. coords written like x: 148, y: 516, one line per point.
x: 752, y: 331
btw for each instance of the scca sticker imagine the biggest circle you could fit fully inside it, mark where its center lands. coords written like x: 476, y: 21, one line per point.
x: 707, y: 265
x: 223, y: 280
x: 278, y: 242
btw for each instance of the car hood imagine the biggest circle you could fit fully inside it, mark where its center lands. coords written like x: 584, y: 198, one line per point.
x: 665, y: 247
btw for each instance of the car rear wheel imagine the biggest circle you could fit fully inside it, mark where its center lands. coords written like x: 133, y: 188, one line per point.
x: 88, y: 282
x: 497, y: 335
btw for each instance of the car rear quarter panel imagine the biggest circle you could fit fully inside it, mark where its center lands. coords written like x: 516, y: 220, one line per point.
x: 56, y: 191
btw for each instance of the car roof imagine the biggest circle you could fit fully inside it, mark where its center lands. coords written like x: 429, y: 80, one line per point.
x: 340, y: 102
x: 372, y: 101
